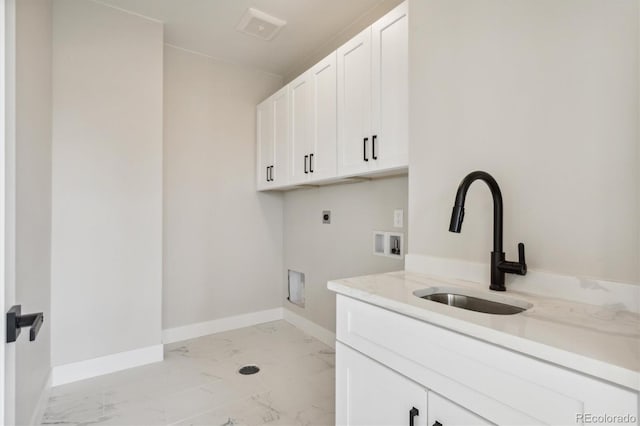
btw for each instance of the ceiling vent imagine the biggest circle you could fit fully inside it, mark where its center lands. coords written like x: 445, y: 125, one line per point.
x: 260, y: 24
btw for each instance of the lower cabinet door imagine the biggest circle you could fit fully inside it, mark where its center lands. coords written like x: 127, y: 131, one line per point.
x: 443, y: 412
x: 370, y: 394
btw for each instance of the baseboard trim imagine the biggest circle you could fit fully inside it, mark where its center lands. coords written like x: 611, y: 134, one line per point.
x: 325, y: 336
x: 192, y: 331
x: 76, y: 371
x: 43, y: 401
x: 95, y: 367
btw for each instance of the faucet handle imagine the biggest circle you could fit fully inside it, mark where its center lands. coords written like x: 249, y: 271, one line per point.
x: 521, y: 259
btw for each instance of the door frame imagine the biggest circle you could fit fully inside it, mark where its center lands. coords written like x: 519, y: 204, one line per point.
x: 7, y: 203
x: 2, y: 205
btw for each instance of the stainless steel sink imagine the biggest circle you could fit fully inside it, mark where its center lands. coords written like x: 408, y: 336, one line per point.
x: 473, y: 301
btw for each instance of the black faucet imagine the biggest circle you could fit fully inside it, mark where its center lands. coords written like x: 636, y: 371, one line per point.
x: 499, y: 266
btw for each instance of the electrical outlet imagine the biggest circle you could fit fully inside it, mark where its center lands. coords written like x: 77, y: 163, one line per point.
x: 398, y: 218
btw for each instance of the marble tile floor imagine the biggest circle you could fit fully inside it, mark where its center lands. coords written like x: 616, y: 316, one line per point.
x: 198, y: 384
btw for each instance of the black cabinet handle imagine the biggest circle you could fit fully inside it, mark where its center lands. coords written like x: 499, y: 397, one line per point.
x: 373, y: 147
x: 437, y: 423
x: 364, y: 149
x: 271, y: 174
x: 305, y: 164
x: 311, y: 163
x: 412, y: 413
x: 267, y: 177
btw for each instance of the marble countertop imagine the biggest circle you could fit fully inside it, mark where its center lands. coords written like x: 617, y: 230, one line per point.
x: 601, y: 341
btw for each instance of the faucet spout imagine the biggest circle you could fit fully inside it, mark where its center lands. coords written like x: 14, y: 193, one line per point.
x: 499, y: 266
x: 457, y: 215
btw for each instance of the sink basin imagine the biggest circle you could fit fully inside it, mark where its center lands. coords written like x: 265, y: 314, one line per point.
x: 473, y: 301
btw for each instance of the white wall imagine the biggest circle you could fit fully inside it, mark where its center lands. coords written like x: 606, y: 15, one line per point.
x: 343, y: 248
x: 223, y: 240
x: 544, y: 96
x: 107, y: 181
x: 33, y: 197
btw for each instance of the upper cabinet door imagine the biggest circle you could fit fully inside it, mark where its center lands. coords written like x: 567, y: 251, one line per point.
x: 390, y: 89
x: 265, y: 155
x: 354, y: 104
x: 300, y: 107
x: 272, y: 126
x: 280, y: 105
x: 324, y: 134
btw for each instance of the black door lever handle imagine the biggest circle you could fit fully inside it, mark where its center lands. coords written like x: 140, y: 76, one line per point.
x: 16, y: 321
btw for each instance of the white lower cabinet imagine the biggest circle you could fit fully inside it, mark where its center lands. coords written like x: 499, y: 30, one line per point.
x: 388, y: 363
x: 368, y: 393
x: 442, y: 412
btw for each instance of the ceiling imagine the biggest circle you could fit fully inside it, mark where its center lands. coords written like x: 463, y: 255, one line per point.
x: 209, y: 27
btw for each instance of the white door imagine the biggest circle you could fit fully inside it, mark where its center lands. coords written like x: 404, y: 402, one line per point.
x: 390, y: 89
x: 280, y: 136
x: 354, y: 104
x: 300, y: 105
x: 324, y: 132
x: 7, y: 206
x: 368, y: 393
x: 445, y: 413
x: 265, y: 154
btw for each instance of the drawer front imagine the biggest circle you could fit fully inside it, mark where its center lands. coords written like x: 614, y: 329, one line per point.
x: 444, y: 412
x: 501, y: 385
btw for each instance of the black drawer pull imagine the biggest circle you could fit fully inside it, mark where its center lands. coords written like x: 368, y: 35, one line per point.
x: 412, y: 413
x: 305, y: 164
x: 311, y: 163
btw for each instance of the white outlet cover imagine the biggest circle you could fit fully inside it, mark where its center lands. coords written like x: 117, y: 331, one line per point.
x: 398, y: 218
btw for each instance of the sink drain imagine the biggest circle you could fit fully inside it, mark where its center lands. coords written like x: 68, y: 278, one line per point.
x: 249, y: 369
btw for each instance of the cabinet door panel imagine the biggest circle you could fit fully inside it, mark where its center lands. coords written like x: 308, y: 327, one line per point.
x: 390, y: 88
x: 264, y: 128
x: 447, y: 413
x: 324, y: 120
x: 368, y: 393
x: 354, y: 103
x: 301, y: 128
x: 280, y: 136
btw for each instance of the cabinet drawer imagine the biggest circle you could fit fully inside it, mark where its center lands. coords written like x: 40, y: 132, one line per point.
x: 444, y: 412
x: 501, y: 385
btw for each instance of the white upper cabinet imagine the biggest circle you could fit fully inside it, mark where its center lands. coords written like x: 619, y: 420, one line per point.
x: 324, y: 132
x: 300, y: 117
x: 313, y: 116
x: 390, y: 100
x: 346, y: 116
x: 354, y: 104
x: 373, y: 101
x: 272, y: 140
x: 265, y: 157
